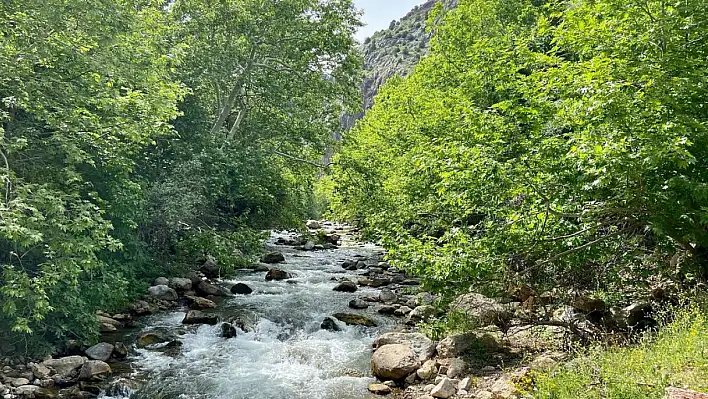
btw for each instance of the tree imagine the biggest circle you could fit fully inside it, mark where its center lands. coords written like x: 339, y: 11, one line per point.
x: 543, y: 142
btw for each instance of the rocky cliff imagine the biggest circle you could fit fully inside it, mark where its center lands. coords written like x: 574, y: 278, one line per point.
x: 392, y: 51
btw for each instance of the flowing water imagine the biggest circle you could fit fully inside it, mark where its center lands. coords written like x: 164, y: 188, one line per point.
x: 288, y: 356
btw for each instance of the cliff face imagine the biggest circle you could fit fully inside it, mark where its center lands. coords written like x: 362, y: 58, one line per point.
x: 392, y: 51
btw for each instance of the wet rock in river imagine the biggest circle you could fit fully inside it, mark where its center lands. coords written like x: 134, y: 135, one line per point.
x: 346, y: 286
x: 355, y: 319
x: 273, y: 257
x: 358, y: 304
x: 205, y: 288
x: 330, y: 323
x: 277, y: 274
x: 199, y: 317
x: 228, y: 330
x: 241, y: 289
x: 151, y: 338
x: 199, y: 303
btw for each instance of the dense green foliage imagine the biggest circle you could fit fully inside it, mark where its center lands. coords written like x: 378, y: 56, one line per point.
x: 553, y: 142
x: 677, y: 357
x: 137, y: 136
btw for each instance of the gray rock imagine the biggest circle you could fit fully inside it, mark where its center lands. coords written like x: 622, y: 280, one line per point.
x: 456, y: 368
x: 421, y: 345
x: 163, y: 292
x: 358, y: 304
x: 387, y: 296
x: 101, y: 351
x: 428, y: 370
x: 40, y: 371
x: 94, y: 369
x: 456, y: 344
x: 273, y: 257
x: 205, y: 288
x: 65, y: 366
x: 355, y: 319
x: 483, y: 310
x: 402, y: 311
x: 346, y: 286
x: 210, y: 267
x: 379, y: 389
x: 465, y: 384
x: 199, y: 303
x: 444, y: 389
x: 161, y: 281
x: 180, y: 284
x: 395, y: 362
x: 420, y: 313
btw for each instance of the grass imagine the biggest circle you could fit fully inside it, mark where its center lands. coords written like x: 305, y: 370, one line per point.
x: 675, y: 357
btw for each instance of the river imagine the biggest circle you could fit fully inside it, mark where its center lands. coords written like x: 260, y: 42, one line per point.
x: 288, y: 356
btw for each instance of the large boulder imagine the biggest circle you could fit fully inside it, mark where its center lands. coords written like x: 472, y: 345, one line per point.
x: 355, y: 319
x: 330, y: 323
x: 101, y: 351
x: 483, y: 310
x: 208, y: 289
x: 210, y: 267
x: 456, y: 345
x: 394, y: 362
x: 199, y: 303
x: 151, y: 338
x: 199, y: 317
x: 277, y: 274
x: 421, y: 345
x: 346, y: 286
x: 180, y: 284
x: 93, y: 370
x: 163, y: 292
x: 273, y: 257
x: 241, y: 289
x: 65, y: 366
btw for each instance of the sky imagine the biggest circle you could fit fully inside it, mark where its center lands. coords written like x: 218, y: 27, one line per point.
x: 378, y: 14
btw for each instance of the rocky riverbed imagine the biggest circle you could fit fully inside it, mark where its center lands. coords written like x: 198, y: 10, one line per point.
x: 328, y: 320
